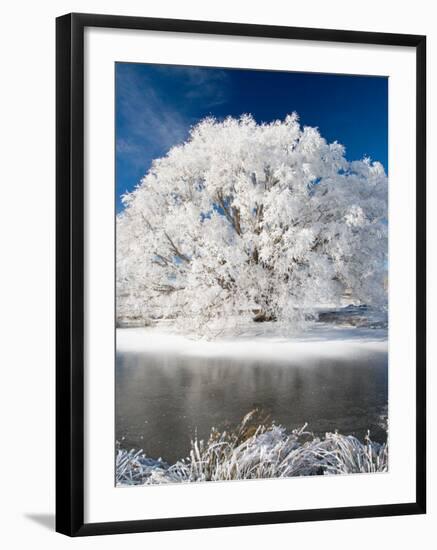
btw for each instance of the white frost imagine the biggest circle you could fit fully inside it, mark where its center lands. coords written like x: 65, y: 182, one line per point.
x: 320, y: 341
x: 270, y: 452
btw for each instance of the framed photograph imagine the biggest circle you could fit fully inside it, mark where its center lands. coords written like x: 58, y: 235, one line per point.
x: 240, y: 274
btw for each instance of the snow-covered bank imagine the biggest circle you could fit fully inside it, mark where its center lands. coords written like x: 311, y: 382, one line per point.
x: 259, y: 341
x: 261, y: 453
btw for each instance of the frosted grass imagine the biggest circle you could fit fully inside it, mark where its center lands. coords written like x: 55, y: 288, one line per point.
x: 262, y: 452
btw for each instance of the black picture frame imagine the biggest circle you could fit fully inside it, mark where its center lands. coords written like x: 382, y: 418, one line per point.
x: 70, y: 273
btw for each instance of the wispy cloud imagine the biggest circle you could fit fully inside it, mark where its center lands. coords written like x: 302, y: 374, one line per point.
x: 146, y: 125
x: 152, y: 120
x: 206, y: 86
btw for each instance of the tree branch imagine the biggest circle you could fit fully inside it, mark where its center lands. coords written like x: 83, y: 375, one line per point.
x: 234, y: 219
x: 176, y: 251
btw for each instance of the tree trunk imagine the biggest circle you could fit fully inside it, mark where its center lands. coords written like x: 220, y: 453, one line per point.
x: 263, y: 317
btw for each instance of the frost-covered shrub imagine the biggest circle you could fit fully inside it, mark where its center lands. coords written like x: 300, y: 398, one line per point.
x: 256, y: 453
x: 252, y: 221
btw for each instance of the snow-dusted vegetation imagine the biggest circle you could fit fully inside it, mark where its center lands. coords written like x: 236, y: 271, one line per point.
x: 256, y: 452
x: 252, y: 222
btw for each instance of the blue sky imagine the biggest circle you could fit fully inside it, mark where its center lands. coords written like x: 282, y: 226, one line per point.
x: 157, y: 104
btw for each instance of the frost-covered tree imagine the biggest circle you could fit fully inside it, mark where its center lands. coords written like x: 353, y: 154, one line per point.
x: 252, y: 221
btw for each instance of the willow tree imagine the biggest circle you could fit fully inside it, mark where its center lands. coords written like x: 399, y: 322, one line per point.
x: 250, y: 221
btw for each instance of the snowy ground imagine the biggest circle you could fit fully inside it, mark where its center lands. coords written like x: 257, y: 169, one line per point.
x: 259, y: 341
